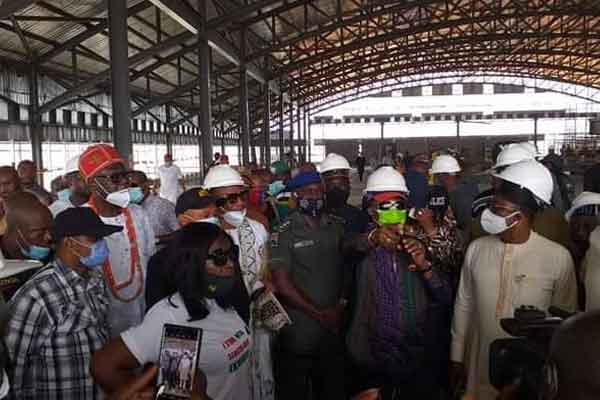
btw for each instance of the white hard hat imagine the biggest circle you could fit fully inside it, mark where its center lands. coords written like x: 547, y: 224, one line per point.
x: 222, y: 176
x: 513, y: 153
x: 332, y: 162
x: 445, y: 164
x: 386, y: 179
x: 584, y: 199
x: 529, y: 147
x: 72, y: 165
x: 531, y: 175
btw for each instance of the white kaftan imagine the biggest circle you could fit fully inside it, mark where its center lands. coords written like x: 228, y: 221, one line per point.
x: 496, y: 279
x: 590, y: 272
x: 123, y: 315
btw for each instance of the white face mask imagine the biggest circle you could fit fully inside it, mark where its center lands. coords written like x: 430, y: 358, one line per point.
x: 235, y: 218
x: 5, y: 386
x: 495, y: 224
x: 120, y: 198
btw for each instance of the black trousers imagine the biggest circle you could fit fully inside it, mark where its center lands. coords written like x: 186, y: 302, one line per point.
x: 322, y: 373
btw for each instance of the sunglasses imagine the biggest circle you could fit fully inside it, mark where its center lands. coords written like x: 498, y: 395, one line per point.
x: 116, y: 177
x: 388, y: 205
x: 231, y: 198
x: 220, y: 257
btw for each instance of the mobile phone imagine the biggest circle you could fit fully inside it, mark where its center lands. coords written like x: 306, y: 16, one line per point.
x: 178, y: 361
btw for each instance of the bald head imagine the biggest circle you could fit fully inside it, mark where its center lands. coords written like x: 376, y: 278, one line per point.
x: 29, y: 223
x: 9, y: 181
x: 27, y: 172
x: 575, y: 349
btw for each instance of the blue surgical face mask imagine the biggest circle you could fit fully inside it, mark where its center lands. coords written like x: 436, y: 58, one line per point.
x: 98, y: 254
x: 276, y: 187
x: 32, y: 251
x: 64, y: 194
x: 136, y: 195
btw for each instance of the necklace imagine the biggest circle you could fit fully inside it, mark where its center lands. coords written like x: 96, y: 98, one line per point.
x: 135, y: 267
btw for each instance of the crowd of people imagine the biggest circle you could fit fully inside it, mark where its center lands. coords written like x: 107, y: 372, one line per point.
x: 298, y: 294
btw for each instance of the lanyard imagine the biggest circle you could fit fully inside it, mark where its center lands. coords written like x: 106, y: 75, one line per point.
x: 134, y: 258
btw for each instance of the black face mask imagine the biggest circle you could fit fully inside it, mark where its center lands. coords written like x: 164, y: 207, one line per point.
x: 336, y: 197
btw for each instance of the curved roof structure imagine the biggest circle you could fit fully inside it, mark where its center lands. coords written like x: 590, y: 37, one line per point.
x: 312, y: 52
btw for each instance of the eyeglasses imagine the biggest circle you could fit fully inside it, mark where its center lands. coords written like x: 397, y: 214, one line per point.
x: 116, y: 177
x: 397, y: 204
x: 231, y: 198
x: 220, y: 257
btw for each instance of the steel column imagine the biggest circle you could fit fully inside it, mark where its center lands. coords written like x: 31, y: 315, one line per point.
x: 457, y: 134
x: 119, y: 78
x: 244, y: 112
x: 35, y: 123
x: 168, y: 129
x: 535, y: 132
x: 309, y: 144
x: 299, y: 143
x: 205, y: 112
x: 380, y: 147
x: 291, y: 137
x: 281, y: 118
x: 266, y: 128
x: 305, y: 135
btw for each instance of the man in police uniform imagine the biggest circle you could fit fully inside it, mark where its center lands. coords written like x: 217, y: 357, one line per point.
x: 307, y: 274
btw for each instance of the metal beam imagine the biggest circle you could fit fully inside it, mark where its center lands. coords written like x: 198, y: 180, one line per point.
x: 266, y: 128
x: 119, y: 74
x: 244, y: 112
x: 281, y: 118
x: 205, y: 114
x: 190, y: 20
x: 105, y: 75
x: 35, y: 122
x: 88, y: 33
x: 157, y: 101
x: 10, y: 7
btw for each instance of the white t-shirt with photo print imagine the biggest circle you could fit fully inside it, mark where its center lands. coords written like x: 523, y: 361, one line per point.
x: 224, y: 350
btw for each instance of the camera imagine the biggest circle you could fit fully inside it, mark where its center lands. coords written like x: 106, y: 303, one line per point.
x: 519, y: 361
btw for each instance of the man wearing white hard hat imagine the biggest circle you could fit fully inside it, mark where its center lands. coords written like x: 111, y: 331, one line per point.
x: 512, y: 267
x: 335, y: 171
x: 550, y: 222
x: 76, y: 194
x: 446, y: 173
x: 391, y: 337
x: 230, y: 191
x: 584, y: 219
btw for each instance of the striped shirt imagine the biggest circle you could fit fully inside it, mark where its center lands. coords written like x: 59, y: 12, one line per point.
x: 56, y: 321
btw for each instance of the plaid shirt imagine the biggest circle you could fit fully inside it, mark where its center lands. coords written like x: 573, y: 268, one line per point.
x: 57, y: 320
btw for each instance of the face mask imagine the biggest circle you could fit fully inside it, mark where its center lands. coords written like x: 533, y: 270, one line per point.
x: 235, y: 218
x: 136, y: 195
x: 219, y: 286
x: 168, y: 163
x: 5, y: 385
x: 98, y: 254
x: 32, y: 251
x: 276, y: 188
x: 64, y: 194
x: 311, y: 207
x: 120, y: 198
x: 495, y: 224
x: 392, y: 216
x: 336, y: 197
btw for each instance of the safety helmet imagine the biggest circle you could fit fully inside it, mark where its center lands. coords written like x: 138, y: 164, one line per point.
x: 386, y: 179
x: 72, y: 165
x: 529, y: 147
x: 445, y: 164
x: 333, y: 162
x: 530, y: 175
x: 513, y: 153
x: 222, y: 176
x: 584, y: 199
